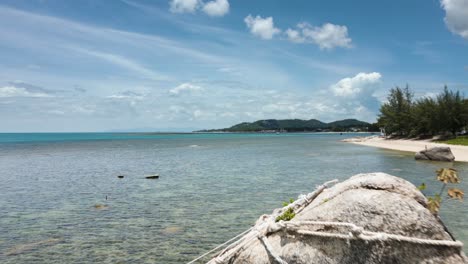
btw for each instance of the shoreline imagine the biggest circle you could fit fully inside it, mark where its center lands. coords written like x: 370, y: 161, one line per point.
x: 408, y: 145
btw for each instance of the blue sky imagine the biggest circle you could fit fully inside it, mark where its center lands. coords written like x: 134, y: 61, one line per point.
x: 190, y: 64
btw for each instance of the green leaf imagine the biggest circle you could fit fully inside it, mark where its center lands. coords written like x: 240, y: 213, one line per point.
x: 422, y: 187
x: 287, y: 215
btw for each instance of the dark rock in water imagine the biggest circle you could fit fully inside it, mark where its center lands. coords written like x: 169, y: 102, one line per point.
x: 120, y: 176
x: 152, y: 177
x: 436, y: 154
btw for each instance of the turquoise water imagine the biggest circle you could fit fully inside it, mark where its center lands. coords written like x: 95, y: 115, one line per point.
x: 212, y: 186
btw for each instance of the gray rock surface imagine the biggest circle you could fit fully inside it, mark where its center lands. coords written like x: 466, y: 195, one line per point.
x: 377, y: 202
x: 436, y: 154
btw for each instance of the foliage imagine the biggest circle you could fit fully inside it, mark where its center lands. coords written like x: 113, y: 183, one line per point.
x: 422, y: 187
x: 446, y: 176
x: 450, y: 111
x: 291, y: 200
x: 395, y: 115
x: 287, y: 215
x: 402, y: 116
x: 433, y: 203
x: 423, y: 114
x: 455, y: 193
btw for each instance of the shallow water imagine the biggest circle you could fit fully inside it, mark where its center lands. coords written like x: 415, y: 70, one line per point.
x: 211, y: 188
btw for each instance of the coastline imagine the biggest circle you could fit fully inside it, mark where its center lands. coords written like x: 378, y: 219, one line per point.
x: 408, y: 145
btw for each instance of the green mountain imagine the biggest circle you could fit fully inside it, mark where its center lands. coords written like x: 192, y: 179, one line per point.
x: 295, y: 125
x: 348, y: 123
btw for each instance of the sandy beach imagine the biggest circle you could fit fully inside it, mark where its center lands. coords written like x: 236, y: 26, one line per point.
x: 460, y: 152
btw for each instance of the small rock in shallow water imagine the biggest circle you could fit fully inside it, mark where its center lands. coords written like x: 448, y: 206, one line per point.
x: 171, y: 230
x: 100, y: 206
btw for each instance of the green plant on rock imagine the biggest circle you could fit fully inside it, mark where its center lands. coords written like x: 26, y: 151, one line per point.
x: 446, y: 176
x: 291, y: 200
x: 287, y: 215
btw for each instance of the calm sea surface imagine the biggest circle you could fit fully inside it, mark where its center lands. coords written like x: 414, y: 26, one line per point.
x: 212, y: 186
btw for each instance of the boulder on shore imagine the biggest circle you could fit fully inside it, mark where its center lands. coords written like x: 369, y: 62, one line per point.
x: 379, y: 205
x: 435, y: 154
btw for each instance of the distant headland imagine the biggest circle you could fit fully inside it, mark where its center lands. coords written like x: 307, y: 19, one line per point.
x: 299, y: 125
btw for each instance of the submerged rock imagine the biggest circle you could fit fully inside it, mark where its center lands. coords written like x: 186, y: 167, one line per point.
x: 101, y: 206
x: 390, y: 223
x: 436, y: 154
x: 22, y: 248
x: 170, y: 230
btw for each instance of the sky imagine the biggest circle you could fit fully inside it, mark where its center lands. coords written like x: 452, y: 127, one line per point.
x: 182, y: 65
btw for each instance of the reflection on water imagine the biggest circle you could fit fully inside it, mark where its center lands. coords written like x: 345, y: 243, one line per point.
x: 54, y: 209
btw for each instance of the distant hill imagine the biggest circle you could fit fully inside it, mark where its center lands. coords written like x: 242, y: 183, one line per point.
x: 347, y: 123
x: 295, y: 125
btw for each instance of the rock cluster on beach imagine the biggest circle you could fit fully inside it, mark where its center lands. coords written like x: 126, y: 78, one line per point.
x: 435, y: 154
x: 375, y: 202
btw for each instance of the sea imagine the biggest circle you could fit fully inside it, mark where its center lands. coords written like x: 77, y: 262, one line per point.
x: 61, y: 200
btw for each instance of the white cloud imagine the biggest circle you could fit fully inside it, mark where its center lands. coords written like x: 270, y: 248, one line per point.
x: 183, y: 6
x: 22, y: 89
x: 12, y: 91
x: 328, y: 36
x: 294, y: 36
x: 127, y: 95
x: 361, y: 83
x: 185, y: 87
x: 216, y: 8
x: 456, y: 16
x: 261, y: 27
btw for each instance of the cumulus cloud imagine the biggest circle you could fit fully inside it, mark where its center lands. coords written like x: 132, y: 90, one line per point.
x: 362, y: 82
x: 185, y: 87
x: 183, y: 6
x: 294, y: 36
x: 456, y: 16
x: 261, y: 27
x: 327, y: 36
x: 216, y: 8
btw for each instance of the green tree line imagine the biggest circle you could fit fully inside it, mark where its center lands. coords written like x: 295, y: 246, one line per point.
x: 444, y: 114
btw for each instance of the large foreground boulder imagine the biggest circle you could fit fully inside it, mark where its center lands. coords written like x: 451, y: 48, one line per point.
x: 370, y: 218
x: 436, y: 154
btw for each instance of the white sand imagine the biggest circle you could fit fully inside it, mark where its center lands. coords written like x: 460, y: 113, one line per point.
x: 460, y: 152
